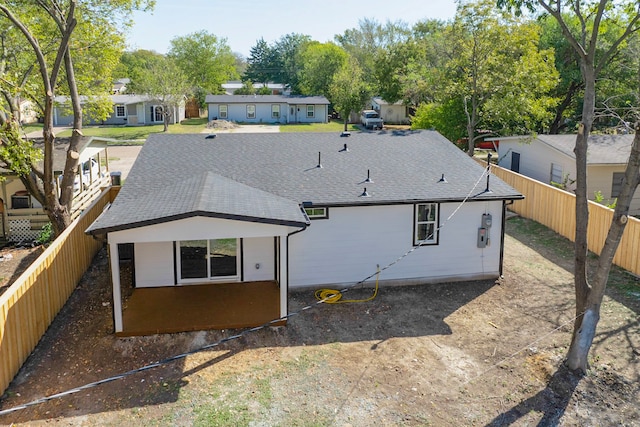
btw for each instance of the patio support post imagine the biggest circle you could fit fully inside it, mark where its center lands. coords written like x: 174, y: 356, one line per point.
x: 284, y: 279
x: 115, y: 279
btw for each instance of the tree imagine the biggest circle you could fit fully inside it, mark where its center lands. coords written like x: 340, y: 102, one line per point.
x: 246, y: 89
x: 165, y: 82
x: 53, y: 31
x: 319, y: 62
x: 495, y: 71
x: 133, y: 64
x: 206, y: 61
x: 348, y: 90
x: 594, y: 52
x: 261, y: 66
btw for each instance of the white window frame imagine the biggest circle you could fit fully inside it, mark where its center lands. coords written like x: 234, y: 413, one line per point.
x: 311, y: 111
x: 123, y: 108
x: 317, y: 213
x: 223, y: 111
x: 154, y: 113
x: 251, y: 107
x: 208, y: 278
x: 417, y: 223
x: 275, y: 111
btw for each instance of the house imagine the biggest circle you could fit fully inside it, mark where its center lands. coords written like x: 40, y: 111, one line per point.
x: 231, y: 87
x: 550, y: 158
x: 268, y: 108
x: 128, y: 109
x: 23, y: 216
x: 280, y: 211
x: 120, y: 86
x: 392, y: 113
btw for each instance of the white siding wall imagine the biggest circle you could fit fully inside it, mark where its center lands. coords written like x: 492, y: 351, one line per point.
x: 535, y: 159
x: 394, y: 114
x: 600, y: 178
x: 154, y: 264
x: 346, y: 247
x: 259, y: 251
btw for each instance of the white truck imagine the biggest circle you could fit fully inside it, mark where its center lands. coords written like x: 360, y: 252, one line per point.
x: 370, y: 119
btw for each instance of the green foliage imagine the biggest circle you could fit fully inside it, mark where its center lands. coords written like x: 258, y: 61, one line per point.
x: 320, y: 62
x: 46, y: 234
x: 599, y: 198
x: 133, y: 65
x: 16, y: 153
x: 246, y: 89
x: 264, y: 90
x: 205, y: 60
x: 447, y: 118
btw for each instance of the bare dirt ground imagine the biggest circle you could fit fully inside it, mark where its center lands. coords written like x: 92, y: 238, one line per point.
x: 463, y: 354
x: 14, y: 261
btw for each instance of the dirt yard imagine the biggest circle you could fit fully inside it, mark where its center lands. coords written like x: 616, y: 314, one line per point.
x: 463, y: 354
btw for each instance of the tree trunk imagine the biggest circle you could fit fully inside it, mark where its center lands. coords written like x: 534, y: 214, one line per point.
x: 587, y: 315
x: 346, y: 121
x: 558, y: 121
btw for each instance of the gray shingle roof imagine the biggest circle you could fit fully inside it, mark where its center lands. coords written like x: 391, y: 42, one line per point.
x: 602, y: 149
x: 173, y: 172
x: 265, y: 99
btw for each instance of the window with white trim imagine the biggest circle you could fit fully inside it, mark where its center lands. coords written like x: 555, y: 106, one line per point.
x: 120, y: 111
x: 311, y: 111
x: 317, y: 213
x: 275, y: 111
x: 556, y: 173
x: 223, y: 111
x: 425, y: 224
x: 251, y: 111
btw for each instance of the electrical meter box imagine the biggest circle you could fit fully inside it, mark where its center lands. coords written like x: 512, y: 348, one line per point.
x: 483, y: 237
x: 486, y: 220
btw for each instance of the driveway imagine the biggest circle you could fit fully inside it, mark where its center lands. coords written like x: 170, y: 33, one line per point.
x: 121, y: 158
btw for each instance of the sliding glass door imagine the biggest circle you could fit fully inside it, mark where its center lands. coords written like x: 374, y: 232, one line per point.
x: 201, y: 260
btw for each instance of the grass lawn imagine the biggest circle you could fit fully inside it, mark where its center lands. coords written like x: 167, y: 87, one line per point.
x: 128, y: 133
x: 332, y: 126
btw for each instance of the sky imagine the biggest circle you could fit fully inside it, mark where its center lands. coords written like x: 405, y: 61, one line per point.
x: 243, y: 22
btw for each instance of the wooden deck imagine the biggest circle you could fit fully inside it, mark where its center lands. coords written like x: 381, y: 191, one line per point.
x: 199, y: 307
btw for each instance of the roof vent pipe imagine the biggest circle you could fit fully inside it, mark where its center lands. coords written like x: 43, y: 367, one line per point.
x: 210, y: 136
x: 345, y: 134
x: 319, y: 166
x: 488, y: 190
x: 365, y: 193
x: 344, y: 149
x: 443, y: 179
x: 368, y: 178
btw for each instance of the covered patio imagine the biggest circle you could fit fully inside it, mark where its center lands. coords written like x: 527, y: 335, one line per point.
x: 199, y: 307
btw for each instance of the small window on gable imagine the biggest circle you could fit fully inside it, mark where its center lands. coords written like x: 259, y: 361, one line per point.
x: 311, y: 111
x: 317, y: 213
x: 222, y: 111
x: 616, y: 184
x: 426, y: 224
x: 120, y: 111
x: 275, y: 111
x: 251, y: 111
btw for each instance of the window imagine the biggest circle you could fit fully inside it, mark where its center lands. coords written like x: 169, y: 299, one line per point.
x: 616, y: 184
x: 156, y: 113
x: 556, y: 173
x: 215, y: 259
x: 251, y: 111
x: 275, y: 111
x: 222, y: 111
x: 120, y: 111
x: 426, y: 223
x: 311, y: 111
x: 317, y: 213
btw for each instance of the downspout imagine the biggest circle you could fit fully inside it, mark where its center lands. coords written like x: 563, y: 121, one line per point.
x: 287, y: 261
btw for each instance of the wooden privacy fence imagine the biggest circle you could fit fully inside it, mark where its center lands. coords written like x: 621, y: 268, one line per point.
x: 556, y: 209
x: 31, y: 303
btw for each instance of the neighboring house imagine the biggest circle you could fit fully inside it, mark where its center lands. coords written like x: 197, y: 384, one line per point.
x: 28, y: 112
x: 231, y: 87
x: 550, y: 158
x: 120, y: 86
x: 396, y: 113
x: 23, y: 216
x: 268, y: 108
x: 303, y: 210
x: 128, y: 109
